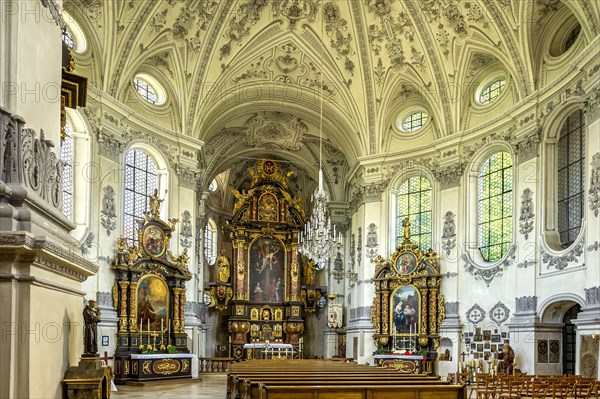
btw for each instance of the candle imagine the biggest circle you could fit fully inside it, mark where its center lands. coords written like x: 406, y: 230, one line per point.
x: 140, y: 326
x: 161, y: 325
x: 148, y: 327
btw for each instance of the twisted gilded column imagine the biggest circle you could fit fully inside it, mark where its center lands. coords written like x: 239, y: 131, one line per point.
x: 182, y: 310
x: 123, y: 306
x: 133, y: 326
x: 176, y: 320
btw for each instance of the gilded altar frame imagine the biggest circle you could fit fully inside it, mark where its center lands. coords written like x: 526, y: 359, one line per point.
x: 416, y: 275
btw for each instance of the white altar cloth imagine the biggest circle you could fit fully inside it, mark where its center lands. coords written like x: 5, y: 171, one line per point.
x: 136, y: 356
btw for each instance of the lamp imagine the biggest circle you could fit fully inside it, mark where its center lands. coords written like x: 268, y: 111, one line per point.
x: 318, y: 241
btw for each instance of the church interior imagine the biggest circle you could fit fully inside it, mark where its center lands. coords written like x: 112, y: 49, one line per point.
x: 392, y: 190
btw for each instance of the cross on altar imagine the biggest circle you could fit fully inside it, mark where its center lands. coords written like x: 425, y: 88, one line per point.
x: 463, y: 356
x: 106, y: 358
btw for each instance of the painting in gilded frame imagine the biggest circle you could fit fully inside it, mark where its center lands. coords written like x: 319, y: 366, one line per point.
x: 154, y: 240
x: 152, y: 302
x: 405, y: 309
x: 406, y: 263
x: 267, y: 270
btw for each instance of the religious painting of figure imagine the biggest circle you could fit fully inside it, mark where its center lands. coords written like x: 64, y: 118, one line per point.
x: 267, y: 270
x: 152, y: 302
x: 154, y: 241
x: 405, y: 309
x: 406, y: 263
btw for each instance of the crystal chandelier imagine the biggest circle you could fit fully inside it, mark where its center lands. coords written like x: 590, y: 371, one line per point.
x: 318, y: 241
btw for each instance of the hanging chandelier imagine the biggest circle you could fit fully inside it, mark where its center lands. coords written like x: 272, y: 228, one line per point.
x: 318, y: 241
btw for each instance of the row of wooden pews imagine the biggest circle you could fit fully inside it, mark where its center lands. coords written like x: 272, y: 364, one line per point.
x: 323, y: 379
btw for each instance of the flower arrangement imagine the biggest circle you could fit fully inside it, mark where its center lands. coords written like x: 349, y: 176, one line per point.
x: 172, y: 349
x: 146, y: 349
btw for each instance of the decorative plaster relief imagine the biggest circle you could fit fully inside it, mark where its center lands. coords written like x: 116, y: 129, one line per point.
x: 280, y: 128
x: 592, y: 296
x: 527, y: 215
x: 104, y: 299
x: 526, y: 304
x: 475, y: 314
x: 487, y: 274
x: 499, y: 313
x: 449, y: 234
x: 594, y: 198
x: 86, y: 245
x: 561, y: 262
x: 595, y: 246
x: 108, y: 216
x: 372, y: 244
x: 338, y: 268
x: 185, y: 237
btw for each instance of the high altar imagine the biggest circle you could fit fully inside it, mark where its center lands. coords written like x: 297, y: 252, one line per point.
x: 408, y: 308
x: 268, y: 289
x: 149, y: 297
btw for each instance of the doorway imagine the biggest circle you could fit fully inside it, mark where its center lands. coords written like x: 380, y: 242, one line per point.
x: 570, y: 339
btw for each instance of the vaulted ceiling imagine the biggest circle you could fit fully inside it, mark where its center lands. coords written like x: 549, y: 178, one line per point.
x: 251, y: 76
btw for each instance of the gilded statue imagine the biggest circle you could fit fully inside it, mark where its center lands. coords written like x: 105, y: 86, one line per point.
x: 91, y: 317
x: 223, y: 268
x: 309, y: 272
x: 406, y: 225
x: 240, y: 197
x: 155, y: 203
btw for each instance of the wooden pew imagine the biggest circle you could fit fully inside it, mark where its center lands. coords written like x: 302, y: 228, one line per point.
x: 249, y: 389
x: 367, y: 391
x: 359, y: 391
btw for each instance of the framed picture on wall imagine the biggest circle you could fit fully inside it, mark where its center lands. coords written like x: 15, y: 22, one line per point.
x: 467, y: 341
x: 553, y: 351
x: 487, y: 335
x: 105, y: 340
x: 478, y: 338
x: 495, y: 337
x: 542, y: 351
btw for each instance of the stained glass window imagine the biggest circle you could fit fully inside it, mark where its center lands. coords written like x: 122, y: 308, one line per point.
x: 414, y: 121
x: 210, y: 242
x: 571, y: 175
x: 66, y: 156
x: 414, y: 201
x: 495, y: 206
x: 141, y: 179
x: 492, y: 91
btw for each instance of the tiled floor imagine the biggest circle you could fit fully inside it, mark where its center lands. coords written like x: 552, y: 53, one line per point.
x: 211, y: 386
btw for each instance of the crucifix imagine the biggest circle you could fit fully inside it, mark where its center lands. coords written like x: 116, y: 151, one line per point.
x: 106, y: 358
x: 463, y: 356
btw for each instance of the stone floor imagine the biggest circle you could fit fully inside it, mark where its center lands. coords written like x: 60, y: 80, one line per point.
x: 211, y: 386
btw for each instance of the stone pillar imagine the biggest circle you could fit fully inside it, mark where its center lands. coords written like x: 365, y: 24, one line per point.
x: 522, y: 328
x: 588, y: 332
x: 330, y: 342
x: 451, y: 330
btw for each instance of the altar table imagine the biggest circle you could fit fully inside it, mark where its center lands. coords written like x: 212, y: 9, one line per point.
x: 156, y: 366
x: 408, y: 364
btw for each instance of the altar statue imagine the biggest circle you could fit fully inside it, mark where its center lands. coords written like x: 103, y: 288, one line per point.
x: 223, y: 268
x: 506, y: 360
x: 309, y: 272
x: 155, y: 203
x: 91, y: 317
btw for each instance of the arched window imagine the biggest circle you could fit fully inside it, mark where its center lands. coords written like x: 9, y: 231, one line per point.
x: 414, y: 201
x: 210, y: 242
x: 495, y: 206
x: 571, y: 175
x: 66, y: 157
x: 141, y: 179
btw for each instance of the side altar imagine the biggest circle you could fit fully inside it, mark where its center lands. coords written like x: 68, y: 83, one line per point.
x: 408, y: 308
x: 264, y: 295
x: 149, y: 297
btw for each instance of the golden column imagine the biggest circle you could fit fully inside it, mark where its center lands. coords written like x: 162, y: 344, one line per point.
x: 133, y: 327
x: 176, y: 327
x: 123, y: 309
x: 182, y: 302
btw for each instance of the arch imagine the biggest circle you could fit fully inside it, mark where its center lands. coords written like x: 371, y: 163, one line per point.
x: 564, y: 300
x: 210, y: 241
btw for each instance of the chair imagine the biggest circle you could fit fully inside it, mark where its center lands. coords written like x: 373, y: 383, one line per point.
x: 581, y: 391
x: 561, y: 390
x: 538, y: 391
x: 516, y: 390
x: 479, y: 386
x: 489, y: 390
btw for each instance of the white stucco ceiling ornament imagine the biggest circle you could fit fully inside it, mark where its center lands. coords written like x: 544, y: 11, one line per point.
x: 283, y: 129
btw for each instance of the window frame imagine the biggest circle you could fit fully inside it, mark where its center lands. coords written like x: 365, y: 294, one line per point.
x: 488, y: 84
x: 211, y: 227
x: 68, y: 168
x: 152, y: 83
x: 481, y: 224
x: 161, y: 179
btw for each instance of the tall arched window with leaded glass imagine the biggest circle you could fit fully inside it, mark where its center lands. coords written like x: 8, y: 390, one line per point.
x: 495, y: 224
x: 414, y: 201
x: 571, y: 178
x: 141, y: 179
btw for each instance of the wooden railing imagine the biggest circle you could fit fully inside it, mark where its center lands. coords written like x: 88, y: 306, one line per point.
x: 214, y: 364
